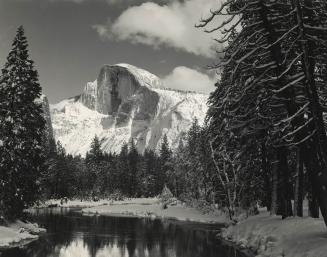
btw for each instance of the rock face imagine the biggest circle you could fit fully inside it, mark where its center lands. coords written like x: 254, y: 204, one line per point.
x: 116, y: 91
x: 125, y: 102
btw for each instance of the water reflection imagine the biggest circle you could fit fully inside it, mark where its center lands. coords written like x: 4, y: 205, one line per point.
x: 72, y: 235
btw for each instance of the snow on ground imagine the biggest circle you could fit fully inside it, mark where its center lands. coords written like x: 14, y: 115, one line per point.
x: 152, y: 208
x: 85, y: 204
x: 18, y: 233
x: 270, y: 236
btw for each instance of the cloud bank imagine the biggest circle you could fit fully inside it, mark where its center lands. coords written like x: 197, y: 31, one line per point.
x: 170, y: 25
x: 184, y: 78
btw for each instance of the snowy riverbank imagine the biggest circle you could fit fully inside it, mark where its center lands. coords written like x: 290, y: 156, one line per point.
x: 270, y: 236
x: 18, y: 234
x: 77, y: 203
x: 151, y: 207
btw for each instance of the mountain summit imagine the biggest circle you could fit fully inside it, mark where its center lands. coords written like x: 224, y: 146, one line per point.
x: 125, y: 102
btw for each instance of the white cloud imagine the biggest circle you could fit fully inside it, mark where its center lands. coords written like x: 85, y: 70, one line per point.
x: 184, y: 78
x: 171, y: 25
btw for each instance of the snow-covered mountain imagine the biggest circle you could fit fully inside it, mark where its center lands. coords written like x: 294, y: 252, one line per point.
x: 125, y: 102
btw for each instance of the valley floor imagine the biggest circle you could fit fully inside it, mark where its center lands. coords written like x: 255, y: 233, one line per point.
x: 270, y: 236
x: 18, y: 233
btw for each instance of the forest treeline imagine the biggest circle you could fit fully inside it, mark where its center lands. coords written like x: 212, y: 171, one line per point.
x: 129, y: 173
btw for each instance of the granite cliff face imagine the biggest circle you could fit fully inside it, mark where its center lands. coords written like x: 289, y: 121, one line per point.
x: 117, y: 91
x: 125, y: 102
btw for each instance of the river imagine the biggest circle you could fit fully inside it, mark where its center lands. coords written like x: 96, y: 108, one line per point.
x: 70, y: 234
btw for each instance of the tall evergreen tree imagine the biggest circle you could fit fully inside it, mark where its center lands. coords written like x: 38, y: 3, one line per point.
x: 95, y: 155
x: 180, y: 169
x: 147, y: 173
x: 94, y: 161
x: 165, y: 163
x: 123, y: 169
x: 21, y: 129
x: 133, y: 159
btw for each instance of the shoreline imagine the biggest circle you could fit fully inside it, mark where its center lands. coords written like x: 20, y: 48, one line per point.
x: 247, y: 251
x: 18, y: 234
x: 151, y: 216
x: 151, y: 208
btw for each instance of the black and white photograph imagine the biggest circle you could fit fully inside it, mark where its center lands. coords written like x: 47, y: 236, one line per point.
x: 163, y: 128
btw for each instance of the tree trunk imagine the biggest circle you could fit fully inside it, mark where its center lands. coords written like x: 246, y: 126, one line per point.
x: 317, y: 182
x: 286, y: 203
x: 299, y: 186
x: 313, y: 206
x: 267, y: 178
x: 277, y: 55
x: 275, y: 192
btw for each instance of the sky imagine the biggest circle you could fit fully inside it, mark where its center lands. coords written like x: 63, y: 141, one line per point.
x: 70, y: 40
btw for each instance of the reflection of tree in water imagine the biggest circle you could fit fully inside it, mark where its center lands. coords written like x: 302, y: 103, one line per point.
x: 118, y: 236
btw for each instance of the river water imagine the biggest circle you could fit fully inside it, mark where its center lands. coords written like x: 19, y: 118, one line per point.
x: 70, y: 234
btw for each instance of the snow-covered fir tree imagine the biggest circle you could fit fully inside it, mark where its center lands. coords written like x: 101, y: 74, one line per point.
x: 165, y: 156
x: 21, y: 130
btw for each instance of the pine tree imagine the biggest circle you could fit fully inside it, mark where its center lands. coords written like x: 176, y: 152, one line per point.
x: 133, y: 159
x: 193, y: 141
x: 123, y: 169
x: 180, y: 169
x: 21, y: 129
x: 165, y: 163
x: 95, y: 155
x: 97, y: 177
x: 147, y: 173
x: 58, y: 177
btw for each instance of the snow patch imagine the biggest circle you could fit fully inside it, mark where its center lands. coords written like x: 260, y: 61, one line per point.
x: 17, y: 233
x: 270, y: 236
